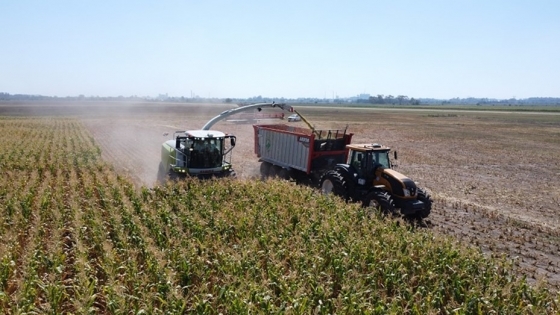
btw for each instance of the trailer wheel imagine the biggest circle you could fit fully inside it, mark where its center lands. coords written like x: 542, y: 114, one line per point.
x: 333, y: 183
x: 379, y: 200
x: 425, y: 197
x: 285, y: 174
x: 265, y: 169
x: 275, y: 171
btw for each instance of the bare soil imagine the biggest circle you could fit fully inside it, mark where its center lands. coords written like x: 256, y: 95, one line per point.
x: 494, y: 176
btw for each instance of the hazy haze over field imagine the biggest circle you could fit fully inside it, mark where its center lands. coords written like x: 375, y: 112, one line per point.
x: 441, y: 49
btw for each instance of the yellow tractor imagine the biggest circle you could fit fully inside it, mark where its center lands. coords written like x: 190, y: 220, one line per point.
x: 368, y: 177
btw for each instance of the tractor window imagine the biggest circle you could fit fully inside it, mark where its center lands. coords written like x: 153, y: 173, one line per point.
x: 358, y: 159
x: 382, y: 158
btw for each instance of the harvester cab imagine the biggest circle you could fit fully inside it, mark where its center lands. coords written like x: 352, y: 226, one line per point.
x: 203, y: 153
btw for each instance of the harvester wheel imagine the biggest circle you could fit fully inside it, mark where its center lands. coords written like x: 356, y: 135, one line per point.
x: 379, y: 200
x: 333, y: 183
x: 425, y: 197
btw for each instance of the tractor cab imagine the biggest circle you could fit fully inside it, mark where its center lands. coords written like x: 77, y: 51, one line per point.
x: 366, y: 159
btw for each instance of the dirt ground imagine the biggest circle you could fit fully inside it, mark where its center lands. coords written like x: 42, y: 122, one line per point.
x: 494, y: 177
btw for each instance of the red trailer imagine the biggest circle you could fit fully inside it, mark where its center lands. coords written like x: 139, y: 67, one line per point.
x: 299, y: 153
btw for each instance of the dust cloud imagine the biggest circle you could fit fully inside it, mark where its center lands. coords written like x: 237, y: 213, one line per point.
x: 130, y: 135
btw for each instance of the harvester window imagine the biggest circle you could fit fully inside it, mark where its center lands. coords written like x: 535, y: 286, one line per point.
x: 206, y: 153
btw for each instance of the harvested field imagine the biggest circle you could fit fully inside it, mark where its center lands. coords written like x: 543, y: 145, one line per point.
x: 494, y: 176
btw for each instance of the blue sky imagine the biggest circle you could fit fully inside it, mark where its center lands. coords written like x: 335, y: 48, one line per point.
x: 441, y: 49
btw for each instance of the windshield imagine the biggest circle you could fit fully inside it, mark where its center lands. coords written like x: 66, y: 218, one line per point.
x: 365, y: 162
x: 205, y: 152
x: 381, y: 157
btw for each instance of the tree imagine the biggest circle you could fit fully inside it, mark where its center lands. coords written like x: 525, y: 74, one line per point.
x: 402, y: 98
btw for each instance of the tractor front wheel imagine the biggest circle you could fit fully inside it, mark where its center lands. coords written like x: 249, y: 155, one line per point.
x: 379, y: 200
x: 425, y: 197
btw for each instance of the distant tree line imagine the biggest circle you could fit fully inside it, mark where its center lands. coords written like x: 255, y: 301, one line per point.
x: 392, y: 100
x: 15, y: 97
x: 493, y: 101
x: 378, y: 99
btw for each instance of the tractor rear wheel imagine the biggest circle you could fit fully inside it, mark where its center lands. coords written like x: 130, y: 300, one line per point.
x: 425, y: 197
x: 379, y: 200
x: 333, y: 183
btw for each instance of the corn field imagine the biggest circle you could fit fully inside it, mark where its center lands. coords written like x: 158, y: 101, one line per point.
x: 78, y: 238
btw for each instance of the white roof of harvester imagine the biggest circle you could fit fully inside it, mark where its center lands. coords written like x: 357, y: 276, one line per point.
x: 205, y: 133
x: 367, y: 146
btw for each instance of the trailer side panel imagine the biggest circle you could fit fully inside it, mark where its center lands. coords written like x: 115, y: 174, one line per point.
x: 283, y: 147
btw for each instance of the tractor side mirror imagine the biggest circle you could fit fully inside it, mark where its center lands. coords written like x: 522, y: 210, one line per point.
x: 232, y: 142
x: 395, y: 154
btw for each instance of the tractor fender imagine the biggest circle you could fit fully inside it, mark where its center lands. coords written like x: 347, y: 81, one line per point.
x: 347, y: 173
x: 343, y: 169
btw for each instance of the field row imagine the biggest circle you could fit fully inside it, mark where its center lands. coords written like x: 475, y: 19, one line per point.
x: 76, y: 237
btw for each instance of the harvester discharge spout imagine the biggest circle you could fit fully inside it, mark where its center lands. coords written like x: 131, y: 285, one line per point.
x: 233, y: 111
x: 308, y: 124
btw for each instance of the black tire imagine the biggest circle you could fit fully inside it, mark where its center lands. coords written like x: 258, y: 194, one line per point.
x: 285, y: 174
x: 379, y: 200
x: 333, y: 183
x: 274, y: 171
x: 425, y: 197
x: 265, y: 169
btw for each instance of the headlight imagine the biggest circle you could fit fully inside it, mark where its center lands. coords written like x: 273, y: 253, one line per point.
x: 406, y: 192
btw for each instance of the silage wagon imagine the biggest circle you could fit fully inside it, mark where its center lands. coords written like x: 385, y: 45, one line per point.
x: 302, y: 154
